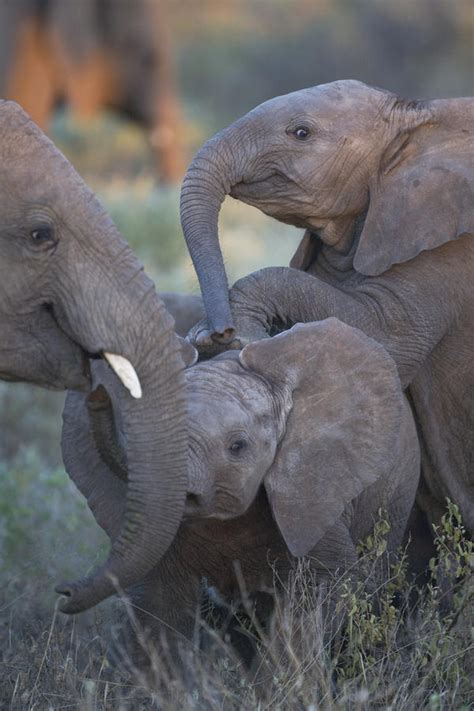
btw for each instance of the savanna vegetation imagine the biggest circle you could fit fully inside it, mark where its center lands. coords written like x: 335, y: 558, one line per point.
x: 401, y: 648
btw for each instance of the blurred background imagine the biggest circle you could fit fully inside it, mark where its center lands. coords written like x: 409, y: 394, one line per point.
x: 129, y: 89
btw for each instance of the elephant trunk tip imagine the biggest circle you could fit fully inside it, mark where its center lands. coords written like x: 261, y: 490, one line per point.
x: 78, y: 596
x: 70, y: 605
x: 223, y: 335
x: 219, y: 317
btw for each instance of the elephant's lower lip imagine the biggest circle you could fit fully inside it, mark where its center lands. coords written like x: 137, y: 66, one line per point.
x: 247, y: 190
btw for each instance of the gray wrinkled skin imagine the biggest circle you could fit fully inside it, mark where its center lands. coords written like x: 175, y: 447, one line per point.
x: 71, y: 288
x: 294, y: 445
x: 385, y: 190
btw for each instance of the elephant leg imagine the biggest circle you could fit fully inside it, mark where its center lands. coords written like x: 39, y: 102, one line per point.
x: 419, y: 545
x: 159, y: 629
x: 240, y: 623
x: 306, y: 615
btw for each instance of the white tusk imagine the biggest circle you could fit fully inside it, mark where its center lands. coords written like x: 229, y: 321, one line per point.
x: 125, y: 372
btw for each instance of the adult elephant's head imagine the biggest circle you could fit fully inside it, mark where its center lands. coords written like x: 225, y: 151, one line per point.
x: 71, y: 289
x: 319, y: 158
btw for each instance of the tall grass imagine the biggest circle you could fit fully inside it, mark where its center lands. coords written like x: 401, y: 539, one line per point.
x: 393, y: 647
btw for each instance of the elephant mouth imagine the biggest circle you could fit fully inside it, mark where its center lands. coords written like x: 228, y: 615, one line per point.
x: 273, y: 195
x: 257, y: 190
x: 201, y: 506
x: 198, y: 506
x: 75, y: 372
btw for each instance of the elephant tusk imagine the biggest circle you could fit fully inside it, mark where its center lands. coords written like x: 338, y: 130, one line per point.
x: 125, y: 372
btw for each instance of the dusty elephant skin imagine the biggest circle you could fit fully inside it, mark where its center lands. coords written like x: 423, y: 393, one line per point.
x: 385, y: 190
x: 71, y: 288
x: 294, y: 445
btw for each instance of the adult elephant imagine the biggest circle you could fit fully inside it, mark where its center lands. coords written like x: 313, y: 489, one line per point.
x: 71, y: 290
x: 95, y: 55
x: 385, y: 190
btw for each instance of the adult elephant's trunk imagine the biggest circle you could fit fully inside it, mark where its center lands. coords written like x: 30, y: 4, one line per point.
x: 104, y: 432
x: 212, y: 173
x: 129, y: 320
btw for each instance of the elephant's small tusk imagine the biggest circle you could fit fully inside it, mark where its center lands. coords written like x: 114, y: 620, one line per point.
x: 125, y: 372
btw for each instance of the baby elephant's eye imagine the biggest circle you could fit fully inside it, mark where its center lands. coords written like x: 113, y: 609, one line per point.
x: 42, y: 235
x: 237, y: 446
x: 301, y: 133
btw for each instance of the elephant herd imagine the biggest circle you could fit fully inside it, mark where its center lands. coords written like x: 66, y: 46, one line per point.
x: 305, y: 398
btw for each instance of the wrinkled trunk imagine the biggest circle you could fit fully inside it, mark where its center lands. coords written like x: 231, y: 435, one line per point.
x: 104, y: 434
x: 122, y: 314
x: 212, y: 173
x: 91, y: 289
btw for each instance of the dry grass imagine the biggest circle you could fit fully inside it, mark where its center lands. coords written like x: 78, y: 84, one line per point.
x: 390, y: 653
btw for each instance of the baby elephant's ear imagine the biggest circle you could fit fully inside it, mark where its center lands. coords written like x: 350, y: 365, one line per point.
x: 418, y: 201
x: 343, y: 429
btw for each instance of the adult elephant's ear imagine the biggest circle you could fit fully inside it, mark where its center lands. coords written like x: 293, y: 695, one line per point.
x: 342, y: 432
x: 422, y: 197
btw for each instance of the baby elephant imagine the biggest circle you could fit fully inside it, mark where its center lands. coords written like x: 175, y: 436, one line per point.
x: 294, y: 444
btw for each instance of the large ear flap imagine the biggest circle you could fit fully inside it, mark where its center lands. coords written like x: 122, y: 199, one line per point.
x: 342, y: 431
x: 421, y: 198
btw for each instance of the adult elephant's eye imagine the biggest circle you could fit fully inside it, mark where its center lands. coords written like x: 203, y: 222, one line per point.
x: 301, y: 133
x: 237, y: 446
x: 42, y: 236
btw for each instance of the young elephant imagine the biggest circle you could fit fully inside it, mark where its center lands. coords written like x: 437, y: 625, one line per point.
x: 384, y: 189
x: 294, y: 445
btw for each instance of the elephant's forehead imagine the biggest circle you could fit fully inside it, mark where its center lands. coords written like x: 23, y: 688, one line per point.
x: 225, y: 390
x: 335, y: 96
x: 30, y: 163
x: 20, y: 136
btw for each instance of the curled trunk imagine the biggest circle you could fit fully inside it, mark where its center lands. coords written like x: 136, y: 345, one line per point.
x: 208, y: 180
x: 134, y: 324
x: 104, y: 433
